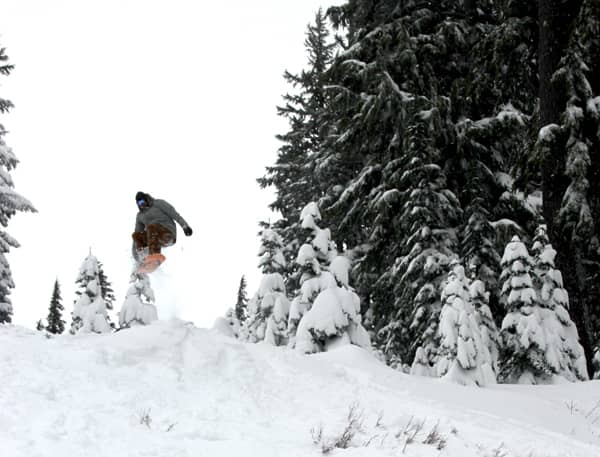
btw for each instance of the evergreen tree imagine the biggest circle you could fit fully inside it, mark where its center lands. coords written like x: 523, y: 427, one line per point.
x: 241, y: 306
x: 406, y: 67
x: 268, y: 312
x: 292, y: 176
x: 428, y: 211
x: 313, y: 258
x: 268, y: 309
x: 563, y: 350
x: 10, y: 203
x: 40, y: 325
x: 56, y: 324
x: 334, y: 318
x: 463, y: 358
x: 138, y: 308
x: 90, y: 310
x: 106, y: 287
x: 490, y: 337
x: 523, y: 342
x: 566, y: 151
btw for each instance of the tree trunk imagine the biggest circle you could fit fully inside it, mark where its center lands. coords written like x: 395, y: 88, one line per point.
x: 556, y: 19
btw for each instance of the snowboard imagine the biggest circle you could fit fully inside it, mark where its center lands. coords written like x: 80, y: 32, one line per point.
x: 151, y: 263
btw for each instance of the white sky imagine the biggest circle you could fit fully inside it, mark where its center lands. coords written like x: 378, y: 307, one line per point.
x: 175, y: 98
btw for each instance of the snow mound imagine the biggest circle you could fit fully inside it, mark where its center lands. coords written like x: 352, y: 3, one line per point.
x: 171, y: 389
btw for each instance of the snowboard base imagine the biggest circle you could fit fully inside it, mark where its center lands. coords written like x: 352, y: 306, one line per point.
x: 151, y: 263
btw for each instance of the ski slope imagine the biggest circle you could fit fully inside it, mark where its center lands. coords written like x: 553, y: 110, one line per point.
x: 173, y: 390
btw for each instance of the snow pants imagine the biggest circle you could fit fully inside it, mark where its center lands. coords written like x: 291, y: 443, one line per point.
x: 154, y: 238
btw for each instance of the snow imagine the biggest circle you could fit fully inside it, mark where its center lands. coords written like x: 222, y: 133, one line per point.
x: 171, y: 389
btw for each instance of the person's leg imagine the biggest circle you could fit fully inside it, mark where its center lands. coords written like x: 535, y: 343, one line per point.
x: 140, y: 240
x: 158, y: 237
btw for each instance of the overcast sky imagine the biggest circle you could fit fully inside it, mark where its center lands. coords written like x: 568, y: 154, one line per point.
x: 175, y: 98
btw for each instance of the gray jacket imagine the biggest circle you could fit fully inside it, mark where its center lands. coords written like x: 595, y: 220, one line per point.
x: 162, y: 213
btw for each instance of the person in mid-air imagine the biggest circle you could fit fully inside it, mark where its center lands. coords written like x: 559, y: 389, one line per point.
x: 155, y: 229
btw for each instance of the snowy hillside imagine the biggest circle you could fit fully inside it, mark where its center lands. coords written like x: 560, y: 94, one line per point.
x: 171, y: 389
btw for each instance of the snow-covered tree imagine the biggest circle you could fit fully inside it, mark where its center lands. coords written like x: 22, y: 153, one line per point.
x: 490, y: 336
x: 563, y: 350
x: 292, y: 175
x: 10, y: 203
x: 138, y: 307
x: 334, y: 318
x: 462, y: 356
x: 106, y: 287
x: 90, y: 311
x: 271, y: 258
x: 56, y: 324
x: 427, y: 214
x: 268, y: 309
x: 231, y: 321
x: 312, y: 260
x: 523, y: 356
x: 241, y: 305
x: 567, y: 151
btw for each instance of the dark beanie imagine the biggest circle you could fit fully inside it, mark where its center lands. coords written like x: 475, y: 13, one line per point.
x: 140, y: 196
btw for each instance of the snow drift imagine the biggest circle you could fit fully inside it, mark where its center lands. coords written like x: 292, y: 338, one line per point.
x: 171, y: 389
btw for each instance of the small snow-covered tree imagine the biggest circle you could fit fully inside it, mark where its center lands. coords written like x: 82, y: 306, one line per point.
x: 234, y: 327
x: 10, y: 203
x: 334, y: 318
x: 90, y: 311
x: 138, y: 308
x: 265, y: 311
x: 490, y: 337
x: 271, y: 258
x: 241, y: 305
x: 56, y: 324
x: 463, y: 358
x: 523, y: 342
x: 312, y: 259
x: 563, y: 351
x: 268, y: 309
x: 106, y: 287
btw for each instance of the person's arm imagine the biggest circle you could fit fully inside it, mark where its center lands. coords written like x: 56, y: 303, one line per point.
x: 168, y: 209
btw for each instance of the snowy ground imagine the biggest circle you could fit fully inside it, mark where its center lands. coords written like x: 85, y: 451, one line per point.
x: 171, y: 389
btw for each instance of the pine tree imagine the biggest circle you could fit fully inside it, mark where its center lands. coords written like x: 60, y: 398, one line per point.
x: 138, y: 307
x: 563, y: 350
x: 569, y: 121
x: 268, y: 309
x: 523, y: 341
x: 56, y: 324
x: 490, y: 337
x: 428, y: 211
x: 241, y: 306
x: 292, y: 176
x: 463, y: 357
x: 10, y: 203
x: 90, y: 310
x: 334, y: 318
x: 312, y: 259
x: 106, y: 287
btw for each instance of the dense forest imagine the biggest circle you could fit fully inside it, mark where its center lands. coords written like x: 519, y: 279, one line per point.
x: 444, y: 143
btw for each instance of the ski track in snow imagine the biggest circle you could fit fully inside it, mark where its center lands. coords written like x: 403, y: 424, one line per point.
x: 205, y: 394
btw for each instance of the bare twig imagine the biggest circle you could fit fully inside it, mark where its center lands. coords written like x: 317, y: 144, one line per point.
x: 145, y: 418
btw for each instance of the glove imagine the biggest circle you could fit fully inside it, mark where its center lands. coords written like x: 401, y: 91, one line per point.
x: 187, y: 230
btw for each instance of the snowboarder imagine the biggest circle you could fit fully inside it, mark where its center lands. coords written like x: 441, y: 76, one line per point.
x: 154, y: 229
